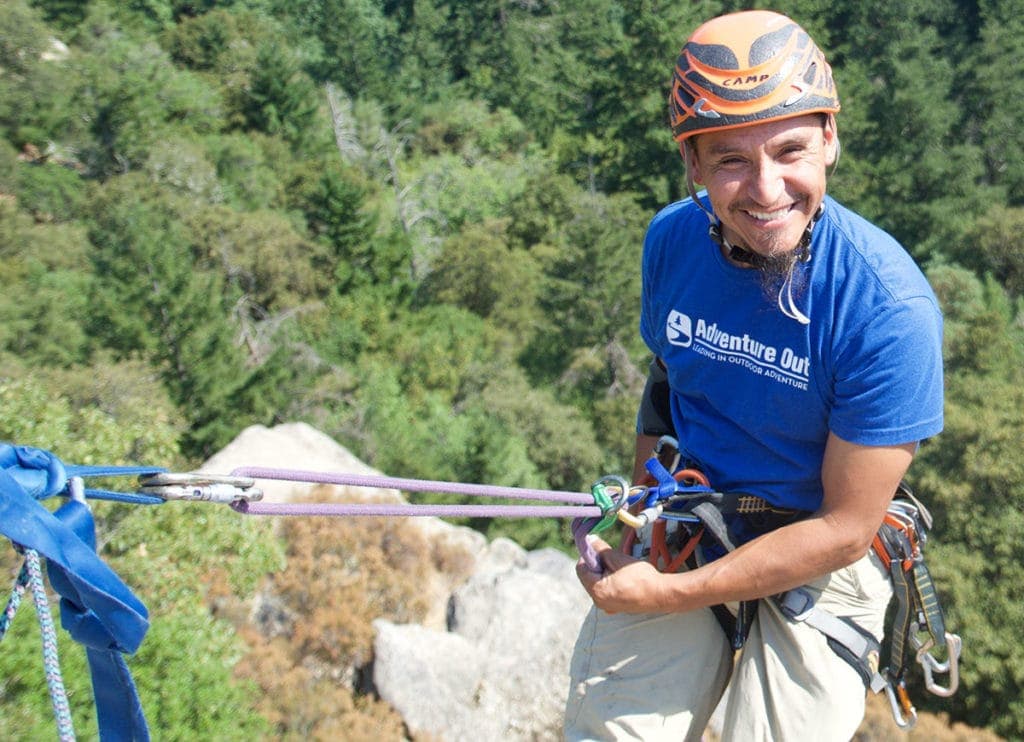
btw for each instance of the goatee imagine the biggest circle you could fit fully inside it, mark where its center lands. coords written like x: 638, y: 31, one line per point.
x: 773, y: 272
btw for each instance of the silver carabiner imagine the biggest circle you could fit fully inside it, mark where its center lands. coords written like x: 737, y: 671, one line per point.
x: 898, y: 708
x: 196, y: 486
x: 931, y: 665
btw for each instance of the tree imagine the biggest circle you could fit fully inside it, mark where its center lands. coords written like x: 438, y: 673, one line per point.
x: 621, y: 118
x: 46, y: 277
x: 996, y: 101
x: 477, y: 270
x: 151, y: 298
x: 281, y: 98
x: 591, y: 291
x: 971, y: 477
x: 906, y: 163
x: 993, y: 246
x: 35, y: 80
x: 129, y: 96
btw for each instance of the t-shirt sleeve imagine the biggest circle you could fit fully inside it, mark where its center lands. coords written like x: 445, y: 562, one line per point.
x: 654, y: 241
x: 889, y: 385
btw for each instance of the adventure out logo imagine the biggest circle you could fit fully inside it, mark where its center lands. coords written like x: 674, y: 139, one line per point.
x: 783, y: 366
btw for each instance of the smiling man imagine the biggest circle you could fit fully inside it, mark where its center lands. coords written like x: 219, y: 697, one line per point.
x: 797, y: 359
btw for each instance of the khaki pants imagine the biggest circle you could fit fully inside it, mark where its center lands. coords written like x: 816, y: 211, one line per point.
x: 660, y: 677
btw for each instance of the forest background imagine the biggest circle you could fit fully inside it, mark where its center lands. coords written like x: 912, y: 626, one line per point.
x: 416, y: 225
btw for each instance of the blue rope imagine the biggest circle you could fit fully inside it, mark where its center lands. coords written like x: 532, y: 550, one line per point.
x: 14, y: 601
x: 51, y: 662
x: 31, y: 575
x: 131, y: 499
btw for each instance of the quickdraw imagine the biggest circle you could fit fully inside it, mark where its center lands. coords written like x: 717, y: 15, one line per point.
x: 918, y: 624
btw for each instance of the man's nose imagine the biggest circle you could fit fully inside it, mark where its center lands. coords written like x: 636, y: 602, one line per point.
x: 766, y: 183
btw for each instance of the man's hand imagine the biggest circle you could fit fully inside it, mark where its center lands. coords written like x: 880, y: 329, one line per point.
x: 627, y: 585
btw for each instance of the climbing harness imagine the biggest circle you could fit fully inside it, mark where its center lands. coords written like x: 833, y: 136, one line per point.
x: 917, y: 622
x: 681, y: 511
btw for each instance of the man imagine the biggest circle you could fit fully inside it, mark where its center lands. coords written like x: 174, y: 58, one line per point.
x: 797, y: 358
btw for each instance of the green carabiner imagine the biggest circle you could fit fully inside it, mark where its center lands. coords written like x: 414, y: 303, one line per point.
x: 609, y: 508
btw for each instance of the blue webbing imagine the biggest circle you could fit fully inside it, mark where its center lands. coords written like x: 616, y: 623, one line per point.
x: 97, y: 608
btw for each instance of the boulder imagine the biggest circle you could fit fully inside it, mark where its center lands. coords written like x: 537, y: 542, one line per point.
x: 500, y: 671
x: 490, y: 660
x: 298, y: 446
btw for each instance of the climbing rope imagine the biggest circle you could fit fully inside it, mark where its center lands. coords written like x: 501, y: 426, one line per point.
x: 31, y: 576
x: 51, y: 661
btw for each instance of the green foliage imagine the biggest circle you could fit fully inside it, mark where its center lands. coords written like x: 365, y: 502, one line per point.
x: 130, y: 97
x: 591, y: 287
x: 25, y: 708
x: 999, y: 97
x: 358, y: 44
x: 972, y: 479
x: 177, y: 316
x: 248, y: 175
x: 280, y: 99
x: 993, y: 246
x: 477, y: 270
x: 265, y: 258
x: 50, y: 192
x: 45, y: 272
x: 171, y: 559
x: 35, y: 78
x: 417, y: 225
x: 181, y: 557
x: 204, y: 700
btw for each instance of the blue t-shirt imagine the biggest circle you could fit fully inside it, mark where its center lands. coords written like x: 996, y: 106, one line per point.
x: 754, y: 392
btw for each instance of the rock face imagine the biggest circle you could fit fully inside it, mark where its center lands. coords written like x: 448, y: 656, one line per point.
x: 293, y: 446
x: 501, y: 669
x: 491, y: 659
x: 298, y: 446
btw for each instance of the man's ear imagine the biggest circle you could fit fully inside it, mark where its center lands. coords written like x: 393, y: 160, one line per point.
x: 831, y: 140
x: 689, y: 153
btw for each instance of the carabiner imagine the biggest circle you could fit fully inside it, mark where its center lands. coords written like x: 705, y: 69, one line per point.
x: 197, y: 486
x: 952, y: 666
x: 611, y: 510
x: 666, y: 450
x: 901, y: 706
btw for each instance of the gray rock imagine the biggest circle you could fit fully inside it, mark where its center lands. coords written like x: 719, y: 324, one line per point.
x: 427, y: 675
x: 501, y: 670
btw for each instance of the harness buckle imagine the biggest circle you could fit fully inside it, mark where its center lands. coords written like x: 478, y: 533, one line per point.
x: 931, y: 665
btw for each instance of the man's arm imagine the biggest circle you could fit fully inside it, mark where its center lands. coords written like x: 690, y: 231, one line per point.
x: 644, y: 446
x: 858, y: 484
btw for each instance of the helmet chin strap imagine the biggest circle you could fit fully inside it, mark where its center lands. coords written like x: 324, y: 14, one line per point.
x: 787, y: 305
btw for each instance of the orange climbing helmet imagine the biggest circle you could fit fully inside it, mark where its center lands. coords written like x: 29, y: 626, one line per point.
x: 747, y: 68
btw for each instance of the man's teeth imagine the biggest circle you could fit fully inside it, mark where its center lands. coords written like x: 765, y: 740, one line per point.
x: 767, y: 216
